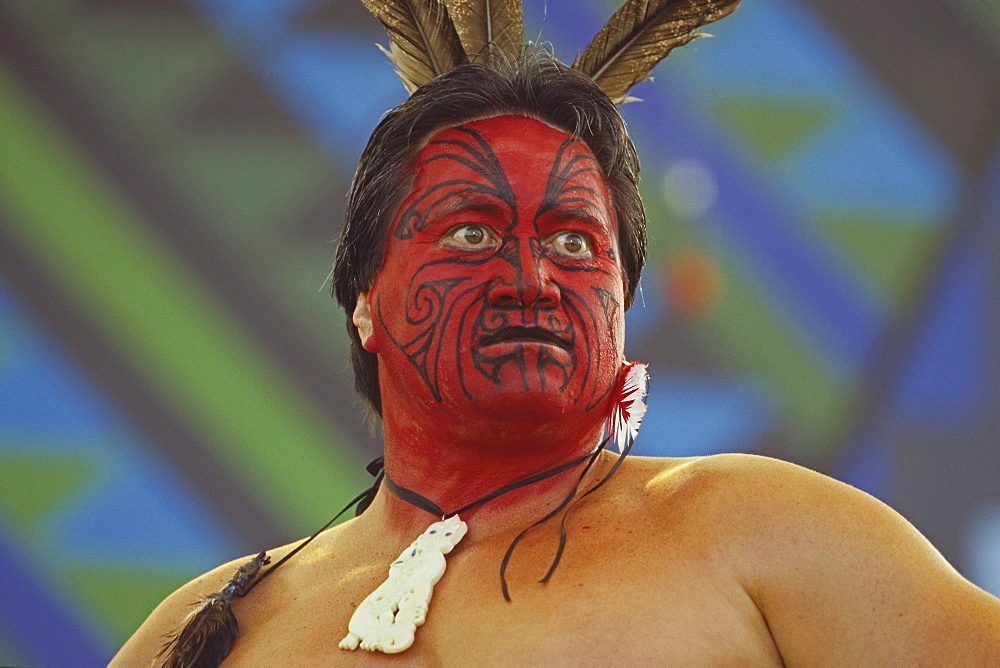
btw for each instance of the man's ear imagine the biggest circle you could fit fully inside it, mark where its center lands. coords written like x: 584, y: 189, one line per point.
x: 362, y: 319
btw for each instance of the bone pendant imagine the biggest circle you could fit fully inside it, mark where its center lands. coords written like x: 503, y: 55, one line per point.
x: 387, y: 620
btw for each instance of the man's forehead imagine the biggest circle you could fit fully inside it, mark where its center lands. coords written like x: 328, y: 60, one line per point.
x: 494, y: 163
x: 505, y: 132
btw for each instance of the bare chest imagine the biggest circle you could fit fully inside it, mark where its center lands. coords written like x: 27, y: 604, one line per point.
x: 601, y: 607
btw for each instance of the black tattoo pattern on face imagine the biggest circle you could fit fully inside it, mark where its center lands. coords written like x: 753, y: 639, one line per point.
x: 479, y: 158
x: 427, y: 310
x: 522, y: 311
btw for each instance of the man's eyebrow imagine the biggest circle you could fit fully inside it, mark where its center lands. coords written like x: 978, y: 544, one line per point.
x: 476, y: 203
x: 579, y: 212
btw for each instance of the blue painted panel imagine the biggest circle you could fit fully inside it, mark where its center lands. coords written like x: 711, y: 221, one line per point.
x: 38, y: 399
x: 949, y: 375
x: 982, y: 544
x: 339, y: 86
x: 48, y: 633
x: 702, y: 416
x: 648, y: 311
x: 140, y: 515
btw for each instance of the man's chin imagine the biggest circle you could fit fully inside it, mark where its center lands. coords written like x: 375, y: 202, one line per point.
x: 515, y: 404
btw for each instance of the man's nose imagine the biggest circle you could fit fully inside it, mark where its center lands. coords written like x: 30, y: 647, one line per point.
x: 528, y: 282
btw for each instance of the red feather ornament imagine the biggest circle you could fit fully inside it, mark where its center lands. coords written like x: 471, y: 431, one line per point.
x: 630, y: 405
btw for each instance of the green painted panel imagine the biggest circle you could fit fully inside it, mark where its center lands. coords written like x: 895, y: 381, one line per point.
x: 253, y: 185
x: 810, y: 393
x: 147, y: 62
x: 36, y: 487
x: 303, y: 283
x: 53, y: 13
x: 121, y: 599
x: 886, y: 252
x: 666, y: 231
x: 8, y: 656
x: 106, y: 259
x: 985, y: 13
x: 774, y: 128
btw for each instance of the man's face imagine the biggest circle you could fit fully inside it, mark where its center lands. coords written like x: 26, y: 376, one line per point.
x: 501, y: 278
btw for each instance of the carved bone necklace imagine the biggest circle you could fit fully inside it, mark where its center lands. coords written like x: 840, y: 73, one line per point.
x: 387, y: 620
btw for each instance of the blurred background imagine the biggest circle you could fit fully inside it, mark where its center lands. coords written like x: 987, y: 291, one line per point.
x: 822, y: 181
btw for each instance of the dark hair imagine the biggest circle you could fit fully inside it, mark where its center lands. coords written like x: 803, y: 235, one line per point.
x: 536, y: 85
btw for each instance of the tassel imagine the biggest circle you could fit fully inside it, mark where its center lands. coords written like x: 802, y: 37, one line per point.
x: 205, y: 636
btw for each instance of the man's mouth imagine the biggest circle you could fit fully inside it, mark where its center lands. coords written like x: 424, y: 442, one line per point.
x: 527, y: 335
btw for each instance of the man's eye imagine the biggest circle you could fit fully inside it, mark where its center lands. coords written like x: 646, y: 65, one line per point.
x: 571, y: 244
x: 469, y: 236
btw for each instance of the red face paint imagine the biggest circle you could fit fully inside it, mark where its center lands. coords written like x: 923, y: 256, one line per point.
x: 501, y: 288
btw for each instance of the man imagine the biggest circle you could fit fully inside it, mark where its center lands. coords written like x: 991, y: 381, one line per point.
x: 494, y: 240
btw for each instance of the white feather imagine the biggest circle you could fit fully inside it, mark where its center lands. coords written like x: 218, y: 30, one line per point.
x: 630, y: 404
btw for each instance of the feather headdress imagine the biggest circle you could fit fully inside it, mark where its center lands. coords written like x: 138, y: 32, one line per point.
x: 641, y: 34
x: 489, y: 29
x: 423, y: 40
x: 431, y: 37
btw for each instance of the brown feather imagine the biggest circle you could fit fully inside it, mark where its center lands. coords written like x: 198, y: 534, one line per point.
x: 641, y: 34
x: 488, y: 27
x: 423, y: 42
x: 204, y: 637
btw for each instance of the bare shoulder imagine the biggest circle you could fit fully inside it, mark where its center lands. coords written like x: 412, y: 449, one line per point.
x: 752, y: 493
x: 147, y: 641
x: 740, y: 486
x: 775, y: 512
x: 835, y: 572
x: 737, y: 471
x: 140, y: 649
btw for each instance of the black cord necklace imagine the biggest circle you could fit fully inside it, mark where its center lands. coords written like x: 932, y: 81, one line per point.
x: 212, y: 627
x: 418, y: 500
x: 377, y: 468
x: 387, y: 619
x: 423, y: 503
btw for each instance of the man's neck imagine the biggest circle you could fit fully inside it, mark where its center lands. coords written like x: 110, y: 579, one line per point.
x: 453, y: 467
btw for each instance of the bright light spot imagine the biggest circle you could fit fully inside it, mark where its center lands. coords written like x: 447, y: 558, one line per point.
x: 690, y: 188
x: 982, y: 545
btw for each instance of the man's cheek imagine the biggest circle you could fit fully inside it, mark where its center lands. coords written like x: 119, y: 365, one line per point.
x: 419, y: 322
x: 606, y: 340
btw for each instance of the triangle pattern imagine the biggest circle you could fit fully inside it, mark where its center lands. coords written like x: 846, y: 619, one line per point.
x: 774, y: 128
x: 121, y: 598
x: 887, y: 254
x: 36, y: 487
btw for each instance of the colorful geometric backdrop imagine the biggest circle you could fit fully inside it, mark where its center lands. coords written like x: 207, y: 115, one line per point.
x: 822, y: 181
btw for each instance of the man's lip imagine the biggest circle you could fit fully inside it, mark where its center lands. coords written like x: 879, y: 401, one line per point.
x: 525, y: 334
